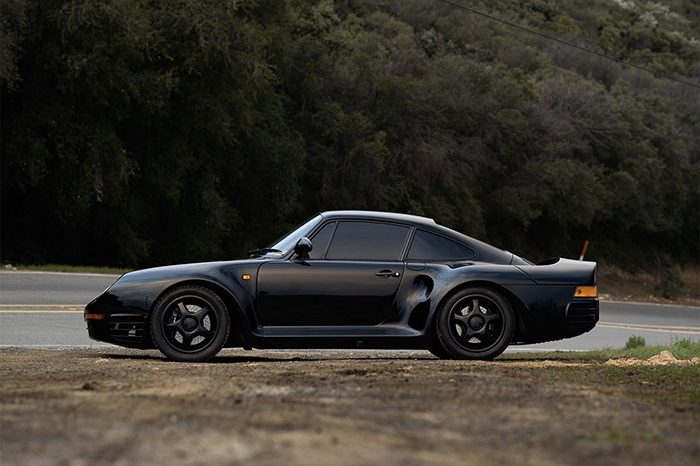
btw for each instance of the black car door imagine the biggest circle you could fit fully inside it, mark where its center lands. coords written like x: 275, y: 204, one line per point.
x: 350, y: 278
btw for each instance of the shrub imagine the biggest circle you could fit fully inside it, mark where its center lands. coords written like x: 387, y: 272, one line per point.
x: 635, y: 341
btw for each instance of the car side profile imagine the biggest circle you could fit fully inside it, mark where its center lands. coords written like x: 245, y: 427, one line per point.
x: 352, y: 279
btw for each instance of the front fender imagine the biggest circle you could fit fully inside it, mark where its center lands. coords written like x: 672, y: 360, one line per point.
x: 132, y: 297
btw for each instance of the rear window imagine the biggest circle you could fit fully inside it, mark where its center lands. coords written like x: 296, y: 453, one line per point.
x: 428, y: 246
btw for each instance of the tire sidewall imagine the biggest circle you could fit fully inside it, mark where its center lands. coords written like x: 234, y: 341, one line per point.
x: 458, y: 351
x: 217, y: 306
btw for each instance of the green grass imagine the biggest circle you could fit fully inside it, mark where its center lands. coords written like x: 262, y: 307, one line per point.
x: 680, y: 349
x: 674, y: 385
x: 617, y: 435
x: 72, y: 268
x: 656, y: 384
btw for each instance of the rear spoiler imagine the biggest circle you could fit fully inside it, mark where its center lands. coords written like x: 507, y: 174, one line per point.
x: 560, y: 271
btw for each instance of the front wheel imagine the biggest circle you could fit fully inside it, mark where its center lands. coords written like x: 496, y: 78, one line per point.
x: 190, y: 323
x: 475, y: 323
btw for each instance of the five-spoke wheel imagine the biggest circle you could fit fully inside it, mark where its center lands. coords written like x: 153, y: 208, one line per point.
x: 475, y: 323
x: 190, y: 323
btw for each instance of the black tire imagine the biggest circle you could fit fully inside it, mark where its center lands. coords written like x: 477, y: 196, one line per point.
x: 475, y: 323
x: 440, y: 352
x: 190, y: 323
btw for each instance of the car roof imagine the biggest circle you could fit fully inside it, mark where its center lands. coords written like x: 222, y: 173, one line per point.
x: 375, y: 215
x: 485, y: 252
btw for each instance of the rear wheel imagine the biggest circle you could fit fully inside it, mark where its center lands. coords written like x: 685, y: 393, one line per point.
x: 475, y: 323
x: 190, y: 323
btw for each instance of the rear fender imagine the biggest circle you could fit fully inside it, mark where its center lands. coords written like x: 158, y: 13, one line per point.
x: 497, y: 277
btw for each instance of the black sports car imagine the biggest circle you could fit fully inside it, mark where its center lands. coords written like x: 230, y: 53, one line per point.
x: 351, y: 279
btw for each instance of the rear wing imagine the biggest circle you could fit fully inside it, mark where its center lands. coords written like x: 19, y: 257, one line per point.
x: 562, y: 272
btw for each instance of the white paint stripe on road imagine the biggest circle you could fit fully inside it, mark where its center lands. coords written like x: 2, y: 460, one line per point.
x: 520, y: 349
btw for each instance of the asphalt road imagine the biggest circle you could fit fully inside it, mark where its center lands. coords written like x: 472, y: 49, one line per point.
x: 45, y: 309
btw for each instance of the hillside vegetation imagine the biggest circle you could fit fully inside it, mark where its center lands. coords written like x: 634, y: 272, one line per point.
x: 136, y: 133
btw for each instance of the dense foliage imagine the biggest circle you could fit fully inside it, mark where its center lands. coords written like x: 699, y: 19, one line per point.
x: 148, y: 132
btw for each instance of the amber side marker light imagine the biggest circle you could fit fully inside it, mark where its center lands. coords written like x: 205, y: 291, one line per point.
x: 586, y: 292
x: 246, y: 277
x: 94, y: 316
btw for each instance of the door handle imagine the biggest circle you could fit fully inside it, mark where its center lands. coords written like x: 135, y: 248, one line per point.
x: 388, y: 274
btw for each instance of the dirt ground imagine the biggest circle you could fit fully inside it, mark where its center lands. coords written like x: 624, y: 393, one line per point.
x: 118, y: 406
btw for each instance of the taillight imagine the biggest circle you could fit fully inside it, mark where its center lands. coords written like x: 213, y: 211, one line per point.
x: 586, y: 292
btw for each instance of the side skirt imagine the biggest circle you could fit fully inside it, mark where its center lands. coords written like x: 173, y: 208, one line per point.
x: 375, y: 337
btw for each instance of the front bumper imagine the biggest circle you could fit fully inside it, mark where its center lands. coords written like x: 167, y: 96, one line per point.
x: 130, y: 330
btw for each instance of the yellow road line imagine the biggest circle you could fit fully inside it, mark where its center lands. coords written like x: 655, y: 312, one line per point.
x: 41, y: 308
x: 622, y: 324
x: 41, y: 305
x: 39, y: 312
x: 651, y: 328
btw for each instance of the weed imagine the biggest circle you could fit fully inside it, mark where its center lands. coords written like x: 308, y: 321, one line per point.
x: 614, y: 435
x: 617, y: 435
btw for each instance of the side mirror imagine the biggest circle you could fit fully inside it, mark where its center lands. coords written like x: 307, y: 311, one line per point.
x: 303, y: 247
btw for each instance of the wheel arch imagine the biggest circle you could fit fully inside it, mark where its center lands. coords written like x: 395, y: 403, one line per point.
x: 233, y: 308
x: 516, y: 304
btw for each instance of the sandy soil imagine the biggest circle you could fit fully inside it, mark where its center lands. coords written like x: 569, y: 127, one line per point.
x: 117, y: 406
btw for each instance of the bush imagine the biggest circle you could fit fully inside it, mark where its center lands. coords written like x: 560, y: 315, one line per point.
x: 673, y: 284
x: 635, y: 341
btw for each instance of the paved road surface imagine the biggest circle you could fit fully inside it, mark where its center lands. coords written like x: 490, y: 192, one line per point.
x: 38, y: 309
x: 658, y: 324
x: 45, y: 309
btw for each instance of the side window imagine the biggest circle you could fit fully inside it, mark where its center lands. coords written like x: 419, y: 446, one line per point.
x: 428, y: 246
x: 367, y: 241
x: 320, y: 241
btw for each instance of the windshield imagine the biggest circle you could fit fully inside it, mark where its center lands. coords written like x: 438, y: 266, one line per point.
x: 286, y: 243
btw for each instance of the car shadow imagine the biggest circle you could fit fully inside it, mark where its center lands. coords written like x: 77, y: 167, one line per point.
x: 261, y: 357
x: 153, y: 355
